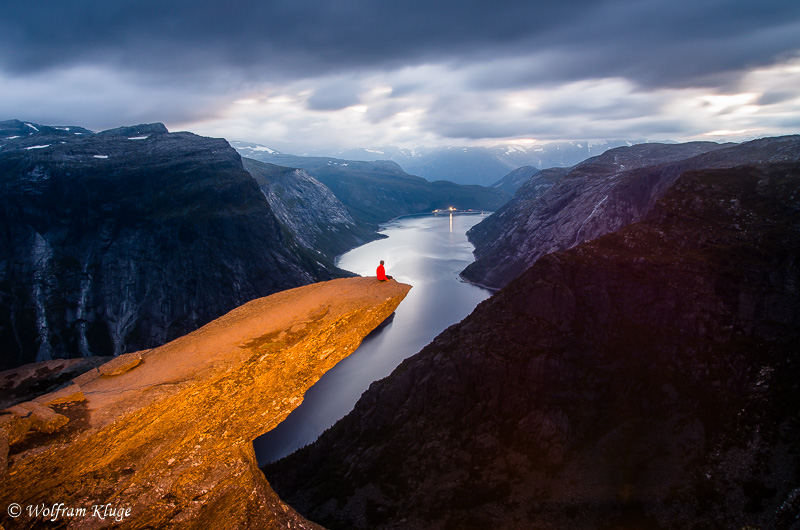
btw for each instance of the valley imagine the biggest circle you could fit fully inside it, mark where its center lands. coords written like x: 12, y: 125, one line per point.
x: 424, y: 251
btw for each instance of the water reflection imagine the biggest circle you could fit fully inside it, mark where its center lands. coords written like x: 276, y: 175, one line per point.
x: 426, y: 252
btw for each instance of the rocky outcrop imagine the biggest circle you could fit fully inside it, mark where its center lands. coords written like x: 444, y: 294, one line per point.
x: 376, y: 192
x: 163, y: 438
x: 311, y: 212
x: 645, y: 379
x: 595, y: 197
x: 122, y: 240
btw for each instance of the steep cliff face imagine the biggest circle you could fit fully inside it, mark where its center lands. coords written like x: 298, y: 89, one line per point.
x: 597, y: 196
x: 123, y: 240
x: 311, y: 212
x: 163, y: 438
x: 645, y: 379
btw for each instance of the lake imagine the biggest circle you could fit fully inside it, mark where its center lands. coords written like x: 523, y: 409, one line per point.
x: 426, y: 252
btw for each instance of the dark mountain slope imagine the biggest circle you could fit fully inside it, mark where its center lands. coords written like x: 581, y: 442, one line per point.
x: 646, y: 379
x: 126, y: 239
x: 597, y: 196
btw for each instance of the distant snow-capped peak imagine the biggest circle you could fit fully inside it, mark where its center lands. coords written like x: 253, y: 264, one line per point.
x: 253, y: 148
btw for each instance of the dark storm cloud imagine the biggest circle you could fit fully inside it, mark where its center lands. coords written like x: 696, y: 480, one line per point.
x: 319, y: 73
x: 651, y: 42
x: 293, y: 37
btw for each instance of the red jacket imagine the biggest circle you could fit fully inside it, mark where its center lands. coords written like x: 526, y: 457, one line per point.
x: 382, y: 273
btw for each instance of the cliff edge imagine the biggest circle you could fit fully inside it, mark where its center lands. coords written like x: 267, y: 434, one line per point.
x: 164, y: 437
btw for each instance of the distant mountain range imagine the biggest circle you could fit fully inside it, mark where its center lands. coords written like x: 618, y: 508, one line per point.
x: 463, y: 165
x: 377, y: 191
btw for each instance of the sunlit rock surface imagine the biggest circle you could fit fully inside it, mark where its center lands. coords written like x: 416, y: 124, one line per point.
x: 168, y: 432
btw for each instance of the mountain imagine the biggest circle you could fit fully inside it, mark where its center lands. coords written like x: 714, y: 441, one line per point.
x: 463, y: 165
x: 514, y: 180
x: 376, y: 192
x: 487, y: 165
x: 597, y: 196
x: 122, y: 240
x: 251, y: 150
x: 14, y: 129
x: 311, y: 212
x: 521, y: 176
x: 164, y: 438
x: 645, y: 379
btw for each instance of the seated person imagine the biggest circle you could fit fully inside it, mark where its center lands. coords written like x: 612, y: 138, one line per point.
x: 382, y: 273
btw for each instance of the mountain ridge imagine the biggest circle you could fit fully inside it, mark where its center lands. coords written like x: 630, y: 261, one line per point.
x: 596, y: 196
x: 482, y: 165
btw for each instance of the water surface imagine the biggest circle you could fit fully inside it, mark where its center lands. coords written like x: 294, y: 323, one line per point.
x: 426, y: 252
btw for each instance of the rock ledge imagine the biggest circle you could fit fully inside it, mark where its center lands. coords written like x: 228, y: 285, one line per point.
x: 167, y: 441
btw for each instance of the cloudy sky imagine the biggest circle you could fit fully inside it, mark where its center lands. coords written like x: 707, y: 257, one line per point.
x: 299, y: 74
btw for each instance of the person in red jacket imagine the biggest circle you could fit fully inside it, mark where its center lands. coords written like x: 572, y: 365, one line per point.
x: 382, y: 273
